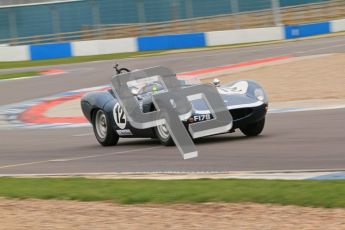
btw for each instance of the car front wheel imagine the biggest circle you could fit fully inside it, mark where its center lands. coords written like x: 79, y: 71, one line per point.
x: 253, y: 129
x: 163, y: 135
x: 104, y: 133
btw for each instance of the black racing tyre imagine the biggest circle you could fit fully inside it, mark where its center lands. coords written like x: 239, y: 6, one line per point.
x: 163, y: 135
x: 102, y: 129
x: 253, y: 129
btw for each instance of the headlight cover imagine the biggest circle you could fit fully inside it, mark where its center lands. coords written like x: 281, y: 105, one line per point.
x: 260, y: 94
x: 256, y: 91
x: 248, y: 87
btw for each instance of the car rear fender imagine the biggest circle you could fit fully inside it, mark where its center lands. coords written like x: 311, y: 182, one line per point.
x: 93, y: 101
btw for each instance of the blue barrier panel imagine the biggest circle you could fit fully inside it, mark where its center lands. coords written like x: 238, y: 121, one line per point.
x: 304, y: 30
x: 173, y: 41
x: 47, y: 51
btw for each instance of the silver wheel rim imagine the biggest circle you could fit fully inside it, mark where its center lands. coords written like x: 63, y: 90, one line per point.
x: 101, y: 124
x: 163, y: 131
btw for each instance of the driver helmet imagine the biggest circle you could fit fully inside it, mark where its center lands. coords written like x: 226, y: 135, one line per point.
x: 154, y: 88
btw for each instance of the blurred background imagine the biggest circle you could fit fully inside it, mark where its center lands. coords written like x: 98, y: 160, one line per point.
x: 45, y: 21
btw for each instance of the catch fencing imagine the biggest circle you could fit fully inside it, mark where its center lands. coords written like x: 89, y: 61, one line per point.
x: 78, y: 20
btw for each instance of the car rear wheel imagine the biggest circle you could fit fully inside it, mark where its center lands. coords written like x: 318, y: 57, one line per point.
x: 104, y: 133
x: 163, y: 135
x: 253, y: 129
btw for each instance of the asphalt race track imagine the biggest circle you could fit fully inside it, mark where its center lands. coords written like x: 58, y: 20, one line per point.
x: 311, y: 140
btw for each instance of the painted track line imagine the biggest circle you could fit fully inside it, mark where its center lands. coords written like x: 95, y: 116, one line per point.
x: 42, y: 74
x: 83, y: 135
x: 77, y: 158
x: 234, y: 66
x: 20, y: 78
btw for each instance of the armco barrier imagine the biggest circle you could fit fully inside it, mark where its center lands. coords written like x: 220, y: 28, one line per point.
x: 173, y: 41
x: 47, y: 51
x: 161, y: 42
x: 305, y: 30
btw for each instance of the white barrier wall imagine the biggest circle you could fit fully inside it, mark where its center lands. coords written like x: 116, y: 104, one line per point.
x: 124, y: 45
x: 95, y: 47
x: 338, y: 25
x: 14, y: 53
x: 244, y: 36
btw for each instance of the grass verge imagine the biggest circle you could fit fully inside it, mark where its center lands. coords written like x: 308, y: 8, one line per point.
x: 327, y: 194
x: 81, y: 59
x: 18, y: 75
x: 70, y: 60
